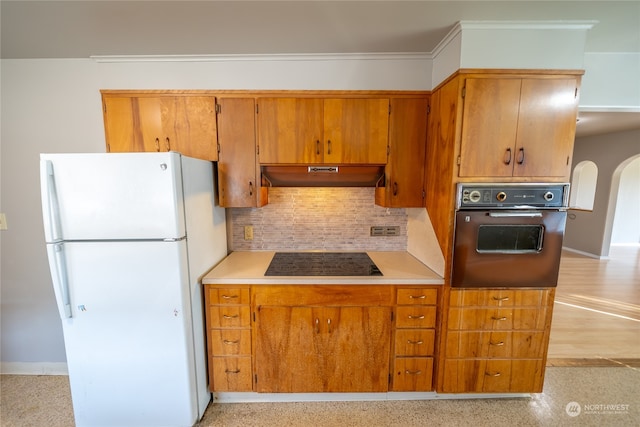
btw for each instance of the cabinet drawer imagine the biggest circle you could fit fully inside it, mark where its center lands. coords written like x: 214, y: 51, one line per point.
x: 231, y: 374
x: 493, y: 376
x: 495, y: 344
x: 228, y: 342
x: 413, y: 374
x: 230, y: 316
x: 228, y: 296
x: 497, y: 318
x: 419, y: 316
x: 331, y: 295
x: 417, y: 296
x: 414, y: 342
x: 500, y: 298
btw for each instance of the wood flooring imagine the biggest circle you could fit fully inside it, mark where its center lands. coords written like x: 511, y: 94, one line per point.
x: 596, y: 319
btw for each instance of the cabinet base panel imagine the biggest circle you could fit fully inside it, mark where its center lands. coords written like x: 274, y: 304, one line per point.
x: 251, y: 397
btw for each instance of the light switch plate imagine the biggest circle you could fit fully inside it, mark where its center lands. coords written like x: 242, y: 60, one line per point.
x: 3, y: 221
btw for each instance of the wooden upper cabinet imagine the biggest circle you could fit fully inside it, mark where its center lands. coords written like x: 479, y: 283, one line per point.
x: 316, y: 130
x: 356, y: 131
x: 186, y: 124
x: 404, y: 173
x: 546, y: 127
x: 290, y: 130
x: 238, y: 182
x: 518, y: 127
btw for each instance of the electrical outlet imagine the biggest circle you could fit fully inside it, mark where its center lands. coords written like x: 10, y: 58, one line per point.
x: 3, y: 221
x: 248, y: 232
x: 378, y: 230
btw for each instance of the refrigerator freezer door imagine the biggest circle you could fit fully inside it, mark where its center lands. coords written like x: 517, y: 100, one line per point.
x: 122, y: 196
x: 129, y: 341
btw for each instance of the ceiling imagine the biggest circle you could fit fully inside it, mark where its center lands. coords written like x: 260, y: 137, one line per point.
x: 80, y: 29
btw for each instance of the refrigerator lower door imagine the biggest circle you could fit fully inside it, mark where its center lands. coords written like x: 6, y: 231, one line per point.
x: 129, y: 340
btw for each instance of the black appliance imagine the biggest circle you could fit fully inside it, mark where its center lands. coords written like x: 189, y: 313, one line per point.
x: 322, y: 264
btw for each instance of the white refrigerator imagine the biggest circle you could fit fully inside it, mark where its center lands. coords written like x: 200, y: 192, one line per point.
x: 129, y: 236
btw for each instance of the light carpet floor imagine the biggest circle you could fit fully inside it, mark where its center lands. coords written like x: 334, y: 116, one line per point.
x: 595, y: 396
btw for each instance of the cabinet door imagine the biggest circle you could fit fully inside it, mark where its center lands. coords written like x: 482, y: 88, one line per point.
x: 123, y: 131
x: 287, y: 350
x: 489, y: 126
x: 356, y: 350
x: 189, y: 126
x: 321, y: 349
x: 546, y: 127
x: 237, y: 169
x: 404, y: 185
x: 356, y: 131
x: 290, y: 130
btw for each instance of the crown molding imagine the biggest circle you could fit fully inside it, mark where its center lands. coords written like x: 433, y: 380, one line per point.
x: 385, y: 56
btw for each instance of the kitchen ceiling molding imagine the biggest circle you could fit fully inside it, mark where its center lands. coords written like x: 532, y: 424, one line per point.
x: 509, y: 25
x: 385, y: 56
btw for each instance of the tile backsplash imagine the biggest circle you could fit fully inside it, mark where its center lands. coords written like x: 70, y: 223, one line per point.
x: 317, y: 219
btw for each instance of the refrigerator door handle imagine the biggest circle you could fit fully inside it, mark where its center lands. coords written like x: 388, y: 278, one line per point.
x: 60, y: 279
x: 50, y: 202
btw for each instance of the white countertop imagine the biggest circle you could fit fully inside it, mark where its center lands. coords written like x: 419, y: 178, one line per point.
x: 248, y: 268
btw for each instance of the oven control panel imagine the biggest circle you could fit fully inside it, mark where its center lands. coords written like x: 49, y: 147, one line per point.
x: 512, y: 196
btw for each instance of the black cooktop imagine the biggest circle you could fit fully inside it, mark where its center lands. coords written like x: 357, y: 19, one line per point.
x: 322, y: 264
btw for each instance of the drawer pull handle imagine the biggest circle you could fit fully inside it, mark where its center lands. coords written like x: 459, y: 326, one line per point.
x: 229, y: 296
x: 229, y: 371
x: 411, y: 316
x: 231, y: 342
x: 329, y: 325
x: 417, y: 297
x: 497, y: 374
x: 317, y: 326
x: 415, y: 342
x: 418, y: 372
x: 501, y: 298
x: 498, y: 318
x: 235, y: 316
x: 497, y: 343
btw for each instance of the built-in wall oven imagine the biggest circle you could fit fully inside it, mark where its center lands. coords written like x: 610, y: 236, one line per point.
x: 508, y: 235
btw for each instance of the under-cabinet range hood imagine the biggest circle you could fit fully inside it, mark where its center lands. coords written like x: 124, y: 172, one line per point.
x: 323, y: 176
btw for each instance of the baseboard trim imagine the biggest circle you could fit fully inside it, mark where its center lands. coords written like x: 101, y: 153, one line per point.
x: 593, y: 362
x: 36, y: 368
x: 587, y: 254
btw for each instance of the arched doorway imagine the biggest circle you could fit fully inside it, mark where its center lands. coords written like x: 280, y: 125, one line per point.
x: 623, y: 211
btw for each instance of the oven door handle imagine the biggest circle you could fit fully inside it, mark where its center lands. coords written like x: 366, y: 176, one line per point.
x: 515, y: 214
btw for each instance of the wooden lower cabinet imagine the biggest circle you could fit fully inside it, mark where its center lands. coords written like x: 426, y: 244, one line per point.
x: 496, y: 340
x: 322, y: 349
x: 414, y: 339
x: 228, y: 324
x: 321, y: 338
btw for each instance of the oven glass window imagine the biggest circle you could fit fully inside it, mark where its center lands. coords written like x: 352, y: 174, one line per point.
x: 510, y: 238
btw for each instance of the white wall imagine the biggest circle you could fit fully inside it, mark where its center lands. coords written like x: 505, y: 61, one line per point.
x: 55, y: 106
